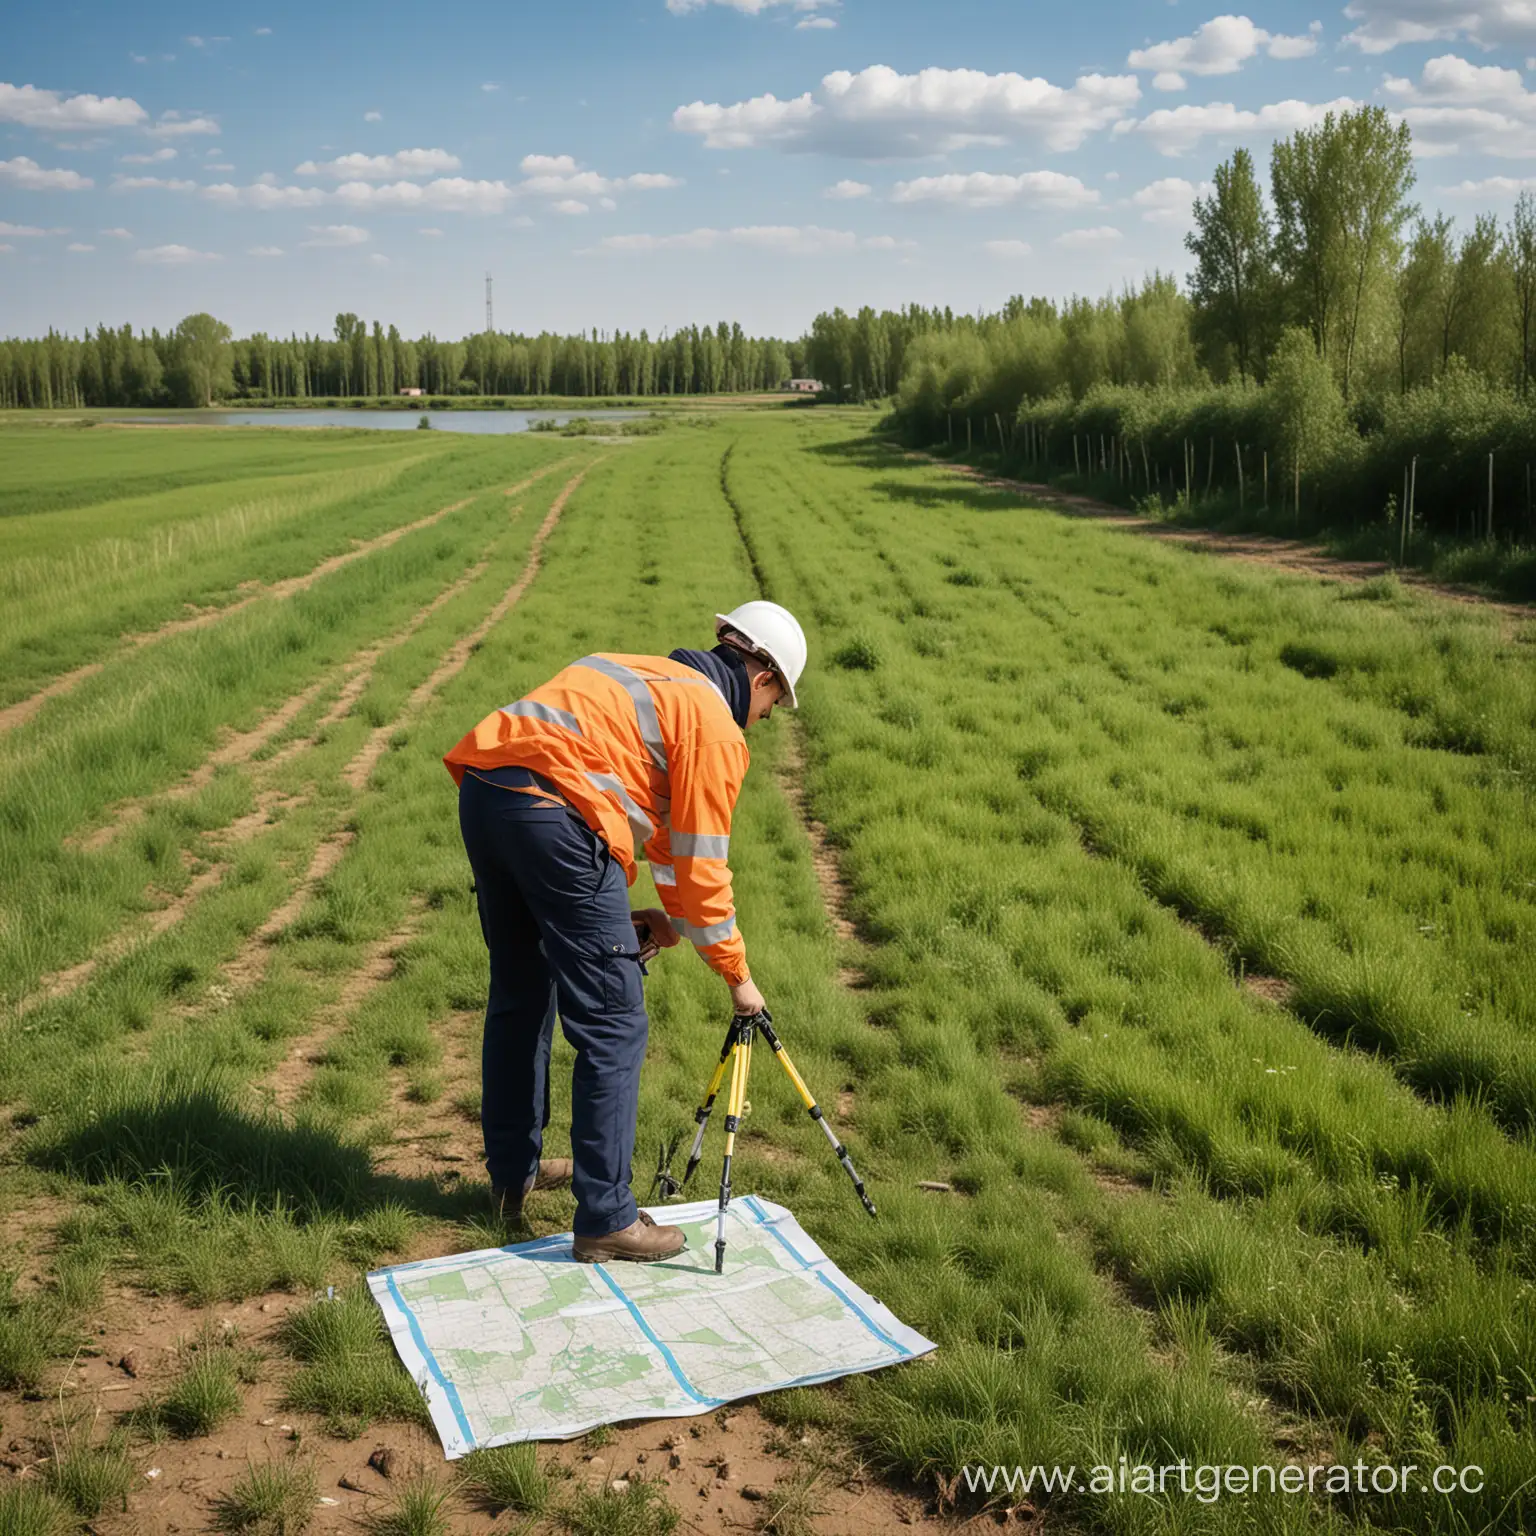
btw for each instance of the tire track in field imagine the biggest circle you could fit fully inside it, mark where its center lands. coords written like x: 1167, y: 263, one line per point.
x: 249, y: 966
x: 241, y: 747
x: 62, y: 983
x: 19, y: 713
x: 251, y: 962
x: 305, y: 1052
x: 357, y: 771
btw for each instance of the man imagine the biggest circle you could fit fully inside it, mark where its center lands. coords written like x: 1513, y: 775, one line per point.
x: 556, y: 792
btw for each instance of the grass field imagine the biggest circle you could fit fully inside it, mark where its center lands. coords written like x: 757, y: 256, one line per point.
x: 1178, y: 916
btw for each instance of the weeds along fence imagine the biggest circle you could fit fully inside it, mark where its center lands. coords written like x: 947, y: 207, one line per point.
x: 1460, y: 454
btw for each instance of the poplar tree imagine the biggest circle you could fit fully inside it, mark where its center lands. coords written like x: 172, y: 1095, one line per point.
x: 1231, y: 243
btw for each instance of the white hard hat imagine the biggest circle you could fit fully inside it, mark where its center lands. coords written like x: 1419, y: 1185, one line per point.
x: 774, y: 634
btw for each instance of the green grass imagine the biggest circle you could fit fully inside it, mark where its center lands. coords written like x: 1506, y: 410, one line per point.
x: 1078, y: 787
x: 203, y: 1397
x: 29, y: 1509
x: 641, y: 1509
x: 349, y: 1373
x: 508, y: 1477
x: 276, y: 1498
x: 421, y: 1505
x: 91, y: 1479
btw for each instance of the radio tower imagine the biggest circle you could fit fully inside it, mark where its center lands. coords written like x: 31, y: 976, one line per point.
x: 488, y: 325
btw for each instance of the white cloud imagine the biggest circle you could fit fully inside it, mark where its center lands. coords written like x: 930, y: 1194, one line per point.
x: 787, y: 239
x: 984, y: 189
x: 1458, y: 107
x: 151, y: 183
x: 491, y: 85
x: 1006, y: 250
x: 432, y: 234
x: 7, y: 250
x: 746, y: 7
x: 25, y: 231
x: 886, y: 243
x: 1168, y: 201
x: 1088, y: 239
x: 815, y: 24
x: 1487, y: 23
x: 337, y: 234
x: 570, y: 205
x: 377, y: 260
x: 448, y: 194
x: 173, y: 126
x: 406, y: 163
x: 880, y: 113
x: 79, y: 247
x: 263, y: 31
x: 117, y: 232
x: 841, y: 191
x: 217, y: 165
x: 373, y: 117
x: 31, y: 177
x: 265, y: 250
x: 547, y: 165
x: 1220, y: 46
x: 139, y: 58
x: 264, y: 195
x: 33, y: 108
x: 173, y: 255
x: 1173, y: 130
x: 155, y: 157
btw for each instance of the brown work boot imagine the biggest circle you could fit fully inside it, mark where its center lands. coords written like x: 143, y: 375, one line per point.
x: 554, y: 1173
x: 641, y: 1242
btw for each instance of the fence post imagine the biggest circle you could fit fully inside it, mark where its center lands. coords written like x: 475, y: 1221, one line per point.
x: 1077, y: 467
x: 1413, y: 487
x: 1238, y: 448
x: 1210, y: 467
x: 1146, y: 468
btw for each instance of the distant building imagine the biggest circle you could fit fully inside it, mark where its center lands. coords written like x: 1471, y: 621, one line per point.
x: 805, y: 386
x: 412, y: 393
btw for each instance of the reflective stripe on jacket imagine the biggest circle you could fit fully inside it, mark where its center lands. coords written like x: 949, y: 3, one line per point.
x: 647, y: 751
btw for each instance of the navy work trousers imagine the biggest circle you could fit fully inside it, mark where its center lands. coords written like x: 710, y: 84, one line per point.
x: 554, y: 909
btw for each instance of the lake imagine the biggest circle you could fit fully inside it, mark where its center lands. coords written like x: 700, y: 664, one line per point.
x: 393, y: 421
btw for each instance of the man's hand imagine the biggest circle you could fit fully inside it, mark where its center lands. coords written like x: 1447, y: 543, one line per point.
x: 747, y: 1000
x: 653, y: 931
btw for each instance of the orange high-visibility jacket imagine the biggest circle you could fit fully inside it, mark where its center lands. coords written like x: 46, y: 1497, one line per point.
x: 648, y: 752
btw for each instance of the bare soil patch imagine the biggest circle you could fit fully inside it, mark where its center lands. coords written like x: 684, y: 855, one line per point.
x: 712, y: 1467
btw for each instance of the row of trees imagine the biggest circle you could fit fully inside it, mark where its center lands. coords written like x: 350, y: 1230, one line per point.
x: 200, y: 362
x: 1328, y: 336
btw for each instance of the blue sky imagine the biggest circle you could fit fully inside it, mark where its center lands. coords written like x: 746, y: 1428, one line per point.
x: 628, y: 163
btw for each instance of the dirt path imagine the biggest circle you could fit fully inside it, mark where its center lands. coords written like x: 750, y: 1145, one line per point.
x: 24, y: 709
x: 1255, y: 548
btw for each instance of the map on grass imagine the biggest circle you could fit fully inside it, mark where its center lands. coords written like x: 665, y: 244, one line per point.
x: 525, y: 1343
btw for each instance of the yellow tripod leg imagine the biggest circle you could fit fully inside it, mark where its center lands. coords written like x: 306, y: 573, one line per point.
x: 806, y: 1098
x: 702, y: 1113
x: 741, y: 1058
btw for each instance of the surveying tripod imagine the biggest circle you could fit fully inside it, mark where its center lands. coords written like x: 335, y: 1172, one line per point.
x: 737, y: 1054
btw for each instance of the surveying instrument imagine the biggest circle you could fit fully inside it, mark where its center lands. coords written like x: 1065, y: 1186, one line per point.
x: 736, y: 1054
